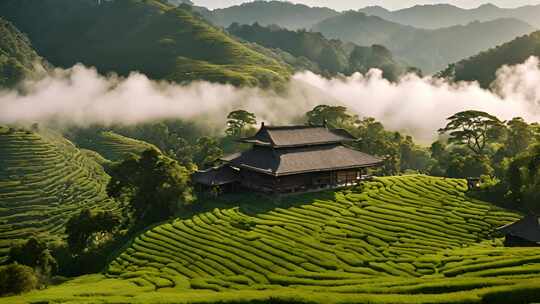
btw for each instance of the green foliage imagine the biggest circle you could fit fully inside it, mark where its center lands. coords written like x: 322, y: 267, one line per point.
x: 17, y: 58
x: 16, y: 279
x: 471, y: 129
x: 483, y: 66
x: 155, y: 186
x: 237, y: 122
x: 332, y: 115
x: 35, y: 254
x: 328, y: 57
x: 154, y: 38
x: 89, y: 226
x: 207, y: 152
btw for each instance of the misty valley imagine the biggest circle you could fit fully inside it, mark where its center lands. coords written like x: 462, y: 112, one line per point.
x: 161, y: 151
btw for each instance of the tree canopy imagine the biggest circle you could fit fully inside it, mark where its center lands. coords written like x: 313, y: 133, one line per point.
x: 238, y: 121
x: 326, y: 114
x: 155, y: 186
x: 86, y: 227
x: 472, y: 129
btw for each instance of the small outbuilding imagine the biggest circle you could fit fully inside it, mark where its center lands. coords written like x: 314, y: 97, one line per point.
x: 523, y: 233
x: 224, y: 176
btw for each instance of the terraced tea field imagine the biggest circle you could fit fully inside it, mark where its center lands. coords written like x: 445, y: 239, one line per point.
x: 114, y: 147
x: 43, y: 180
x: 410, y: 239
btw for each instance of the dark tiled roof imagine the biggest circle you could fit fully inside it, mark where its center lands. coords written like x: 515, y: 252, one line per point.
x: 527, y: 228
x: 294, y: 136
x: 301, y: 160
x: 216, y: 176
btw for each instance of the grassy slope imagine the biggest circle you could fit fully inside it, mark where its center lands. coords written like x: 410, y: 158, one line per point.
x: 140, y: 35
x: 112, y: 146
x: 43, y: 180
x: 412, y: 239
x: 17, y: 57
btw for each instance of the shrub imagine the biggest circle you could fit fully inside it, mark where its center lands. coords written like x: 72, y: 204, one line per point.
x: 16, y: 279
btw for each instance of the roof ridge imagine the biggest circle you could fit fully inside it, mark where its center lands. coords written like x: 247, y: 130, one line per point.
x: 292, y: 127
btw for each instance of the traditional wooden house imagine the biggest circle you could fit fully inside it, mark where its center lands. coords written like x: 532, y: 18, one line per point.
x: 293, y: 159
x: 523, y: 233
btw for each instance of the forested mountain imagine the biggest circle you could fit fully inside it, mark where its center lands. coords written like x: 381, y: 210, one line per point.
x: 283, y: 13
x: 17, y: 57
x: 328, y: 57
x: 483, y: 66
x: 151, y: 36
x: 445, y: 15
x: 430, y: 50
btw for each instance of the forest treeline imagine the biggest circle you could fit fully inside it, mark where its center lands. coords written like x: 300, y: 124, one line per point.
x: 312, y: 51
x: 483, y: 66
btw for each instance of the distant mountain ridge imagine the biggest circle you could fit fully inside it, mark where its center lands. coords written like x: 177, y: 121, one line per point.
x: 150, y: 36
x: 283, y: 13
x: 430, y: 50
x: 446, y: 15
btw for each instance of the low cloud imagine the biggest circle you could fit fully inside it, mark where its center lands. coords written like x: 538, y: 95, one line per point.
x: 419, y: 106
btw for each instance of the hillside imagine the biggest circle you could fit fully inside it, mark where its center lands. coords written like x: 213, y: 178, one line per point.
x: 155, y: 38
x: 17, y: 57
x: 283, y: 13
x: 445, y: 15
x: 483, y: 66
x: 429, y: 50
x: 43, y: 180
x: 409, y: 239
x: 111, y: 146
x: 329, y: 57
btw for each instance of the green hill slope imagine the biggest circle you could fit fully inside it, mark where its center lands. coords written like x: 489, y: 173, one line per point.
x: 483, y: 66
x: 410, y: 239
x: 17, y: 57
x: 328, y: 56
x: 43, y: 180
x: 148, y: 36
x: 112, y: 146
x: 429, y: 50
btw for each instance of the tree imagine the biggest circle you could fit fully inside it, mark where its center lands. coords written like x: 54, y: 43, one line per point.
x: 237, y: 122
x: 207, y: 152
x: 155, y: 186
x: 87, y: 227
x: 472, y: 129
x: 523, y: 179
x: 374, y: 139
x: 333, y: 115
x: 34, y: 253
x: 519, y: 136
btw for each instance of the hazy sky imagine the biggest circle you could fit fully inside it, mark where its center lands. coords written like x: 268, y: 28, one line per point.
x: 390, y: 4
